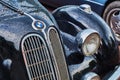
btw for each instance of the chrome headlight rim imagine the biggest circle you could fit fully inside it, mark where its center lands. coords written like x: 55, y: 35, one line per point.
x: 86, y: 41
x: 81, y: 38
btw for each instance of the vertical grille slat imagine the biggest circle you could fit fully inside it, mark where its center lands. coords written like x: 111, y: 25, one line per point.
x: 34, y: 53
x: 28, y: 60
x: 47, y: 67
x: 33, y: 56
x: 43, y: 65
x: 40, y: 59
x: 45, y: 57
x: 30, y: 57
x: 37, y: 58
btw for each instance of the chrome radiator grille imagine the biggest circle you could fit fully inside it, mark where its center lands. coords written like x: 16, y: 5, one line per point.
x: 58, y: 54
x: 37, y: 58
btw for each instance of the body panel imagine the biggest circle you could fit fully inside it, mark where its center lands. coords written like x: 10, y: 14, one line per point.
x: 76, y: 20
x: 16, y: 22
x: 96, y: 5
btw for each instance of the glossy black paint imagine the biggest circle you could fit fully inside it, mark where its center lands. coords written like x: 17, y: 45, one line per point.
x: 96, y: 5
x: 13, y: 27
x: 72, y: 19
x: 12, y: 33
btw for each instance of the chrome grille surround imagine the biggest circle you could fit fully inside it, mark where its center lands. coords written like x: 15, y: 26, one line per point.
x: 37, y: 58
x: 58, y: 54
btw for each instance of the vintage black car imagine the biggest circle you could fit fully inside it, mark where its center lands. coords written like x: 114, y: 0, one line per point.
x: 108, y: 9
x: 32, y: 47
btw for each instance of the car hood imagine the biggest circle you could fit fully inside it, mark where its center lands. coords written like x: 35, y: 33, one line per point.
x: 32, y: 7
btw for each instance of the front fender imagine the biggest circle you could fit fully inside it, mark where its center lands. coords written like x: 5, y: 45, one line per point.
x: 72, y: 19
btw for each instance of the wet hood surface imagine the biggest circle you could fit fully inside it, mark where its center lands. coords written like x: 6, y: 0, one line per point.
x: 32, y: 7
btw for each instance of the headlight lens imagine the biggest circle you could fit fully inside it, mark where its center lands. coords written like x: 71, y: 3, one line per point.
x: 91, y: 44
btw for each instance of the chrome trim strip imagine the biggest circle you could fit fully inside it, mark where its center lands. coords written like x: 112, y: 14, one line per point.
x: 35, y: 20
x: 115, y: 75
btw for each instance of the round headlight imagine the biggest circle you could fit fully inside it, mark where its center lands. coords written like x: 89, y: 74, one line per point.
x: 91, y: 44
x: 88, y: 41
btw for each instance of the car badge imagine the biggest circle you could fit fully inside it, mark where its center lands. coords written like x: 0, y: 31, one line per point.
x: 39, y: 24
